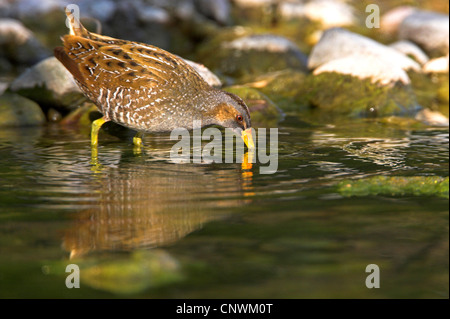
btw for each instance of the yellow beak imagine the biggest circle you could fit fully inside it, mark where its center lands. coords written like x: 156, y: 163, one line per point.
x: 248, y: 138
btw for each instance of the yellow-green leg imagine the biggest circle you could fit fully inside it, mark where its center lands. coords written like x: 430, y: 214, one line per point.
x: 95, y: 128
x: 137, y: 139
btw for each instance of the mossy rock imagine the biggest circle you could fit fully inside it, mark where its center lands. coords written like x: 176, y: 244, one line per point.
x: 264, y: 112
x: 431, y: 90
x: 267, y: 19
x: 243, y: 56
x: 129, y: 274
x: 333, y: 94
x: 283, y: 88
x: 82, y: 116
x: 142, y: 271
x: 396, y: 186
x: 15, y: 110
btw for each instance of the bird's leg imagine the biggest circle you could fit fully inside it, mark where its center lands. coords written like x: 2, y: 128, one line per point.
x: 137, y: 139
x: 95, y: 128
x: 137, y: 142
x: 94, y: 141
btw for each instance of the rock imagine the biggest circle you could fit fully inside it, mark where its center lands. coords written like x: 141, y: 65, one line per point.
x: 263, y: 111
x: 431, y: 91
x: 3, y: 87
x: 141, y: 271
x: 332, y: 94
x: 49, y: 84
x: 5, y: 66
x: 410, y: 49
x: 329, y: 13
x: 338, y: 43
x: 366, y: 67
x: 53, y: 115
x: 392, y: 19
x: 284, y: 88
x: 13, y: 31
x: 430, y: 30
x: 46, y: 18
x: 438, y: 65
x: 100, y: 9
x: 29, y: 8
x: 16, y: 110
x: 249, y: 56
x: 253, y: 3
x: 345, y: 46
x: 82, y: 116
x: 205, y: 73
x: 395, y: 186
x: 18, y: 44
x: 263, y: 42
x: 433, y: 118
x: 218, y: 10
x: 152, y: 14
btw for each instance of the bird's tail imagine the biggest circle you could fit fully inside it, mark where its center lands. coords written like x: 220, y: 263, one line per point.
x: 74, y: 24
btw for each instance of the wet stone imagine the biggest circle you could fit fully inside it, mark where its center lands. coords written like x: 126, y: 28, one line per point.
x: 430, y: 30
x: 18, y: 44
x: 410, y: 49
x: 16, y: 111
x: 49, y: 84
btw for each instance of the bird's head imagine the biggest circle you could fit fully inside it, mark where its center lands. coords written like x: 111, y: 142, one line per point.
x: 230, y: 111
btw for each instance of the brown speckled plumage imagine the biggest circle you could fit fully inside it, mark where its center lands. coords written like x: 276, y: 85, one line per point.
x: 144, y: 87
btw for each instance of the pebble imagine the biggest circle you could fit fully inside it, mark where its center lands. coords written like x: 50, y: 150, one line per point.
x: 432, y: 118
x: 428, y: 29
x: 345, y: 52
x: 438, y: 65
x: 330, y: 13
x: 18, y: 44
x: 218, y: 10
x: 253, y: 3
x: 366, y: 67
x: 267, y: 43
x: 16, y: 110
x: 410, y: 49
x: 391, y: 20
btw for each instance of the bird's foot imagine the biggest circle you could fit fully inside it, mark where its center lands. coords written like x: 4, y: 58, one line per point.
x: 96, y: 125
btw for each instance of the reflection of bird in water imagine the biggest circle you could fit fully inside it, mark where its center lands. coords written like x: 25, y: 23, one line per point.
x: 155, y: 205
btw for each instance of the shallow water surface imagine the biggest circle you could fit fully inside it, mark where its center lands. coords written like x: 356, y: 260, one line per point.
x: 138, y: 225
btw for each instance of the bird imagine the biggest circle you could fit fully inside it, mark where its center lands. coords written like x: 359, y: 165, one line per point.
x: 145, y: 88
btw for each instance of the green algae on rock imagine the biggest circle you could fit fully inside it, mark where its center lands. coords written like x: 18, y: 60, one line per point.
x: 337, y: 94
x: 285, y: 88
x: 431, y: 91
x: 396, y: 186
x: 131, y: 274
x: 359, y: 98
x: 15, y: 110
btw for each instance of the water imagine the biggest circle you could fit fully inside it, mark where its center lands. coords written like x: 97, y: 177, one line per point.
x: 138, y: 225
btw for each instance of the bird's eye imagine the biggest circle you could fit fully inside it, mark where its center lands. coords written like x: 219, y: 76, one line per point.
x: 239, y: 118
